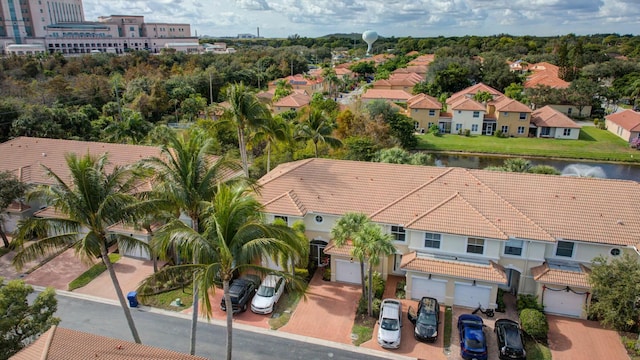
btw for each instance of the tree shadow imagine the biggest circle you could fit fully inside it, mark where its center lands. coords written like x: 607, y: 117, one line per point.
x: 586, y: 137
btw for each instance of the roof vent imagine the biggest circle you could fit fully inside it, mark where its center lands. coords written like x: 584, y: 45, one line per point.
x: 44, y: 154
x: 620, y: 222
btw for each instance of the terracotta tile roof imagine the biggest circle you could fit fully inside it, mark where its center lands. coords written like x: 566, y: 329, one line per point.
x: 425, y: 59
x: 472, y: 90
x: 295, y: 100
x: 344, y: 250
x: 627, y: 119
x: 65, y: 344
x: 17, y: 207
x: 546, y: 78
x: 550, y: 117
x: 423, y: 101
x: 400, y: 95
x: 506, y: 104
x: 343, y: 72
x: 49, y: 212
x: 544, y: 66
x: 421, y: 70
x: 518, y: 205
x: 490, y: 272
x: 578, y: 276
x: 128, y: 229
x: 400, y: 79
x: 465, y: 104
x: 28, y: 154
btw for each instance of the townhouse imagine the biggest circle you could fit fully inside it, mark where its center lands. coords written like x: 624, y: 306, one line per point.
x: 625, y: 124
x: 424, y: 110
x: 460, y: 234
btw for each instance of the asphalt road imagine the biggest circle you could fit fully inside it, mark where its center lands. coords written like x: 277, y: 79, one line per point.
x: 171, y: 332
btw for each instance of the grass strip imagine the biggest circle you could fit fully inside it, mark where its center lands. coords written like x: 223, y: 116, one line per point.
x: 163, y: 300
x: 92, y: 273
x: 448, y: 326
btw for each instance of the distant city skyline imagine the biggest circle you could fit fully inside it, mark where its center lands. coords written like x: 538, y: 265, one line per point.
x: 418, y: 18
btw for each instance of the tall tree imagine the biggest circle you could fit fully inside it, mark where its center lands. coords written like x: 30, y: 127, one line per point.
x: 246, y: 112
x: 11, y: 189
x: 272, y: 131
x: 22, y: 321
x: 374, y: 244
x: 90, y: 202
x: 344, y: 232
x: 318, y: 128
x: 234, y: 236
x: 186, y: 179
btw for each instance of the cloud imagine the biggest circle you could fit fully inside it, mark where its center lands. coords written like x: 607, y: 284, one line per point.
x: 253, y: 4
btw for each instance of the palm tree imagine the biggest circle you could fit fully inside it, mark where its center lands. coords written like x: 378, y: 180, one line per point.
x: 186, y: 179
x: 89, y: 203
x: 246, y: 112
x: 234, y: 236
x: 373, y: 244
x: 345, y: 230
x: 273, y: 130
x: 517, y: 165
x: 317, y: 127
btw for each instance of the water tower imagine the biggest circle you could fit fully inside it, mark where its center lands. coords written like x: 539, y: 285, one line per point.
x: 369, y: 37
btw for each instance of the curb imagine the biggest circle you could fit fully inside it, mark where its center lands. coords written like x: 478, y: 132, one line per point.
x: 244, y: 327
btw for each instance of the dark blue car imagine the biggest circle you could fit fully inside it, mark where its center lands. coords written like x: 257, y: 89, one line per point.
x: 473, y: 344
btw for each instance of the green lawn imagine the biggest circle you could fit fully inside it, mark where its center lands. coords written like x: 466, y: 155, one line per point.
x: 163, y: 300
x: 448, y: 327
x: 92, y: 273
x: 284, y: 309
x: 536, y: 350
x: 363, y: 328
x: 594, y: 144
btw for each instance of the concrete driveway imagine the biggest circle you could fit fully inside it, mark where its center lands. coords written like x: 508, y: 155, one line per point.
x: 328, y: 312
x: 582, y: 339
x: 409, y: 346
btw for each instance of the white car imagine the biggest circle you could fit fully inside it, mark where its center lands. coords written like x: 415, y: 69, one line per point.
x: 268, y: 294
x: 390, y: 321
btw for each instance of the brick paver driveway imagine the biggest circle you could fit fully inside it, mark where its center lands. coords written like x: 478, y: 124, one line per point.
x: 58, y: 272
x: 328, y: 312
x: 583, y: 339
x: 129, y: 271
x: 409, y: 346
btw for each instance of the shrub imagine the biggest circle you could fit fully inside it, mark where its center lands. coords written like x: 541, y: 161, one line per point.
x: 596, y: 121
x: 500, y: 301
x: 378, y: 285
x: 632, y: 345
x: 326, y: 274
x: 529, y: 302
x: 400, y: 292
x: 635, y: 143
x: 498, y: 133
x: 534, y: 323
x: 362, y: 306
x: 302, y: 273
x: 434, y: 129
x: 375, y: 307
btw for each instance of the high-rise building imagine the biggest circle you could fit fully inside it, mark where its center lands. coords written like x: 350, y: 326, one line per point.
x: 31, y: 26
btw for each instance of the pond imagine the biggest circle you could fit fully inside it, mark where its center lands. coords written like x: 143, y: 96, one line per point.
x: 566, y: 167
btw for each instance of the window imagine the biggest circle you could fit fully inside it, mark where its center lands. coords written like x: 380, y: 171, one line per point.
x: 520, y: 129
x: 458, y: 127
x: 319, y: 219
x: 475, y: 246
x: 545, y: 131
x: 566, y: 132
x: 513, y: 247
x: 564, y: 249
x: 416, y: 124
x: 283, y: 218
x: 615, y: 252
x: 474, y: 127
x: 432, y: 112
x: 432, y: 240
x: 505, y: 129
x: 398, y: 233
x: 523, y: 116
x: 569, y: 110
x: 476, y: 114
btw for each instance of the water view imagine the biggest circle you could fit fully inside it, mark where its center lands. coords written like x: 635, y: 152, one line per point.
x: 566, y: 167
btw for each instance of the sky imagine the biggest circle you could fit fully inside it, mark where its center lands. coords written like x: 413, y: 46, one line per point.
x: 399, y: 18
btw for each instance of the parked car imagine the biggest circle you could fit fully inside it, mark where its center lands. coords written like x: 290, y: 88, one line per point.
x: 241, y: 291
x: 268, y: 294
x: 426, y: 320
x: 473, y: 344
x: 390, y: 321
x: 510, y: 341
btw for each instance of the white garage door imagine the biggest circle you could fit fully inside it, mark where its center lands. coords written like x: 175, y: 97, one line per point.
x: 563, y: 302
x: 470, y: 296
x: 421, y: 287
x: 347, y: 271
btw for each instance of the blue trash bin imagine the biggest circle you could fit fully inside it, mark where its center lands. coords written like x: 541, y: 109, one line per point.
x: 132, y: 296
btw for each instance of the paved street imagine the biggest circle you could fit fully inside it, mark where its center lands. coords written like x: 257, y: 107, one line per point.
x: 172, y: 332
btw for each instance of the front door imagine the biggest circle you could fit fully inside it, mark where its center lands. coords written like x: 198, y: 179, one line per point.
x: 316, y: 250
x: 514, y: 280
x: 397, y: 259
x: 488, y: 129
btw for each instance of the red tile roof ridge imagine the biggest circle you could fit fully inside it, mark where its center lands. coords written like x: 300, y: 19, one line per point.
x: 459, y: 196
x: 409, y: 193
x: 516, y: 210
x: 293, y: 197
x: 287, y: 169
x: 406, y: 259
